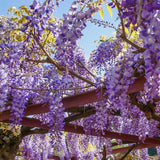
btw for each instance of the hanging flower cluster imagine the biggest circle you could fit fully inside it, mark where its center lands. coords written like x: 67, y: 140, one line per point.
x: 40, y: 62
x: 71, y: 31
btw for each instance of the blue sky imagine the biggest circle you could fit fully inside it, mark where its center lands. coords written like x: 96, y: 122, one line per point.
x: 91, y: 33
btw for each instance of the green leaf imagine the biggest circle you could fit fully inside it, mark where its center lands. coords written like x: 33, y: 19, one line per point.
x: 109, y: 9
x: 101, y: 12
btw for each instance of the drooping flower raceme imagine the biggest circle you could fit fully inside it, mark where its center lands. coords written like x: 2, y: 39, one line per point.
x: 28, y: 74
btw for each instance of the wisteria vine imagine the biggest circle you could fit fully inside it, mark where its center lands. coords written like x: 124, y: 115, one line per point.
x: 41, y: 62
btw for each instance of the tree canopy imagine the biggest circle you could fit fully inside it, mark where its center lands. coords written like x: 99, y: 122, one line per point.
x: 42, y: 63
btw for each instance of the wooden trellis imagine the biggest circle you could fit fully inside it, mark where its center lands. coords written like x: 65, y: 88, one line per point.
x: 71, y: 104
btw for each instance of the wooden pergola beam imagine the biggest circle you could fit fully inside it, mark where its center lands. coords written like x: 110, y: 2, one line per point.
x: 72, y: 101
x: 114, y: 151
x: 58, y: 158
x: 91, y: 96
x: 125, y: 149
x: 30, y: 122
x: 29, y: 110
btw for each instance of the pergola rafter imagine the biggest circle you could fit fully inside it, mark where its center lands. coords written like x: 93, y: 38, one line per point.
x: 73, y: 101
x: 31, y: 122
x: 78, y: 100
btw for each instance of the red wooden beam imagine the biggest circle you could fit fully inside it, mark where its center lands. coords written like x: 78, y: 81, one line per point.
x: 73, y: 158
x: 79, y: 130
x: 112, y: 135
x: 91, y: 96
x: 118, y: 150
x: 125, y: 149
x: 58, y: 158
x: 54, y: 157
x: 29, y: 110
x: 72, y: 101
x: 30, y: 122
x: 137, y: 86
x: 114, y: 151
x: 5, y: 115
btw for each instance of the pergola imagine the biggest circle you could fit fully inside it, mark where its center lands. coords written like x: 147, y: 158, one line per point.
x: 74, y: 104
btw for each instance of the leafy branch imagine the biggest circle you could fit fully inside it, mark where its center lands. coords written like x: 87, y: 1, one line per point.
x: 121, y: 19
x: 123, y: 35
x: 60, y: 67
x: 83, y: 66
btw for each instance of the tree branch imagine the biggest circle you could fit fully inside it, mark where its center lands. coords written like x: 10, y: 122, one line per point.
x: 37, y: 61
x: 83, y: 66
x: 79, y: 109
x: 132, y: 147
x: 46, y: 89
x: 85, y: 112
x: 60, y: 67
x: 139, y: 49
x: 80, y: 115
x: 25, y: 131
x: 123, y: 36
x: 120, y: 16
x: 148, y: 109
x: 104, y: 153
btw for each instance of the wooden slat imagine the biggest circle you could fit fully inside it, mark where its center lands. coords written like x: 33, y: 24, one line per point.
x: 30, y: 122
x: 29, y: 110
x: 125, y: 149
x: 72, y: 101
x: 137, y: 86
